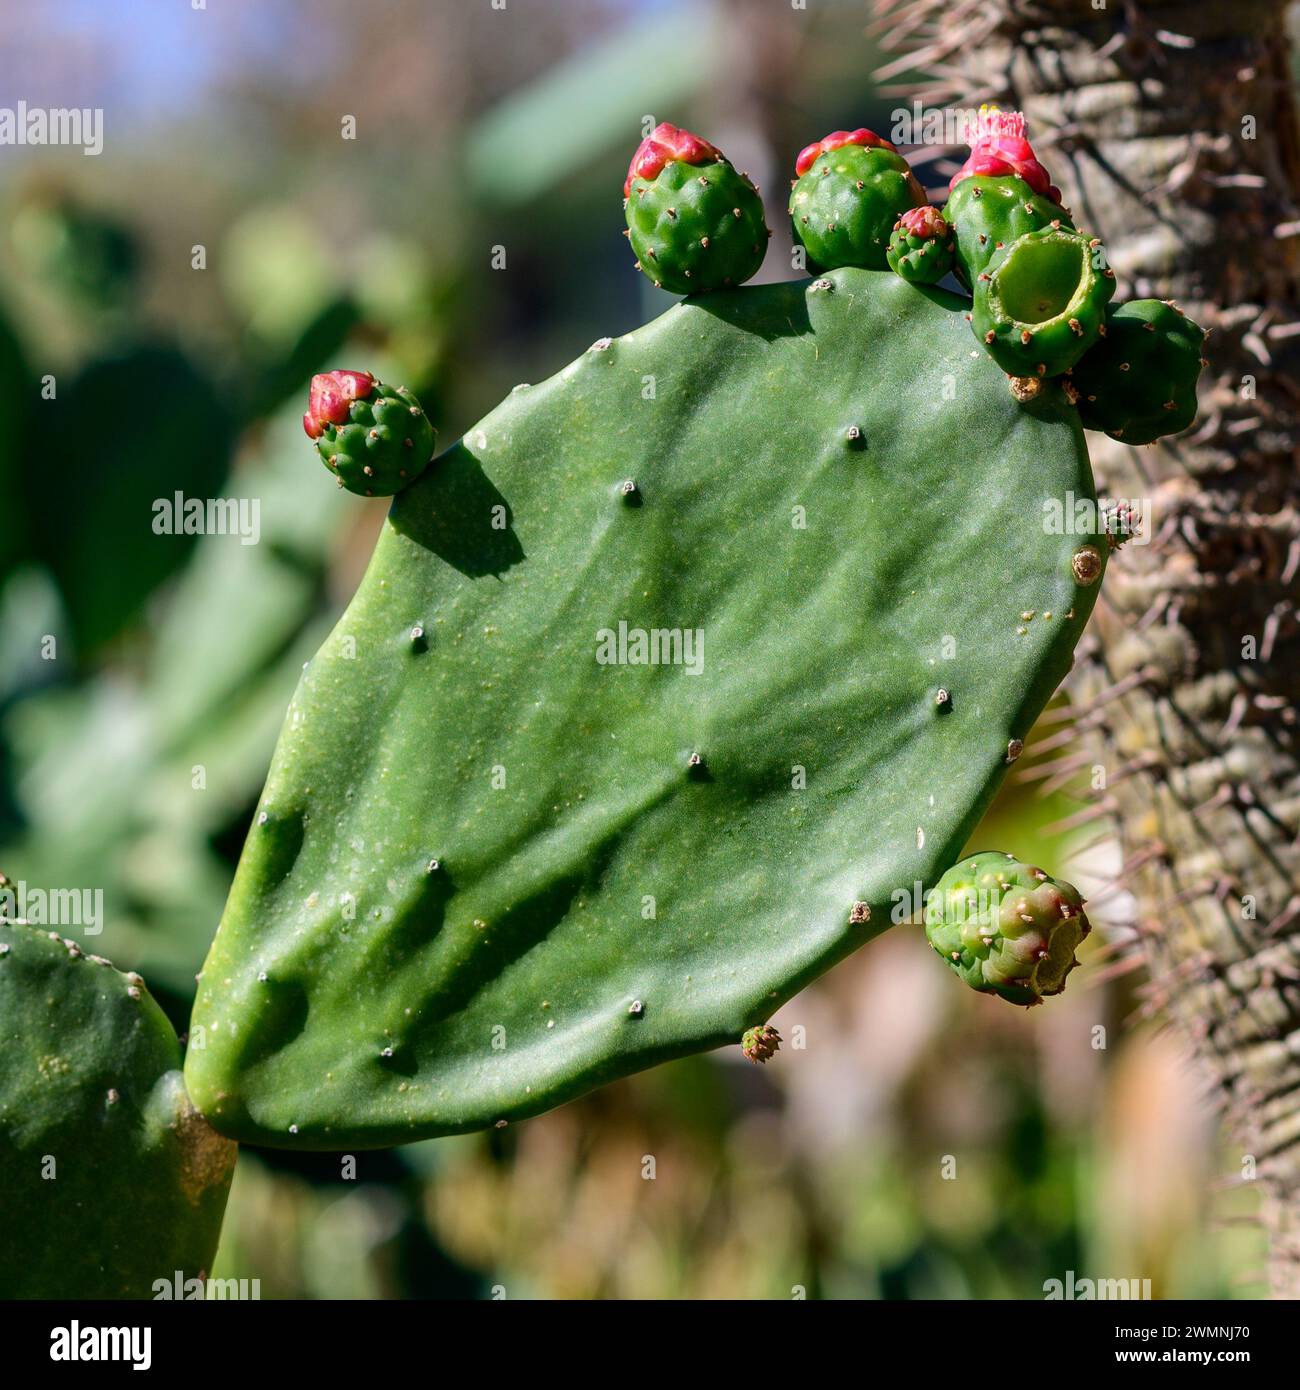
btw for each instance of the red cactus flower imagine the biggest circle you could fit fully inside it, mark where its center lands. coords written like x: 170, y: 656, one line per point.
x: 331, y: 395
x: 924, y: 221
x: 998, y: 147
x: 837, y: 138
x: 664, y: 144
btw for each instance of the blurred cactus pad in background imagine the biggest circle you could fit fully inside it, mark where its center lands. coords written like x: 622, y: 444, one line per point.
x: 507, y: 866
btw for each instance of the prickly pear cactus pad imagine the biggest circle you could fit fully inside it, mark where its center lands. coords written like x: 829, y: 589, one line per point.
x: 660, y: 684
x: 110, y: 1178
x: 1005, y: 927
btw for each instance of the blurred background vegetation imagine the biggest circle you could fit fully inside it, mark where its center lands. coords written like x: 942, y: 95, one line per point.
x: 144, y: 676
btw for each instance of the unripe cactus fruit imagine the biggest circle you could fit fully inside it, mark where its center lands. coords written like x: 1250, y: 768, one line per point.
x: 1005, y: 927
x: 1041, y: 303
x: 850, y: 190
x: 988, y: 213
x: 1139, y: 381
x: 761, y: 1043
x: 921, y: 246
x: 374, y: 438
x: 694, y: 221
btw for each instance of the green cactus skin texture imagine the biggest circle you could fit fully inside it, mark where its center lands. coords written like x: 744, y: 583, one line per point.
x: 844, y: 207
x: 90, y: 1082
x: 1005, y: 927
x: 1138, y: 383
x: 988, y: 213
x: 382, y: 444
x: 1041, y: 303
x: 696, y: 227
x: 490, y: 871
x: 921, y: 247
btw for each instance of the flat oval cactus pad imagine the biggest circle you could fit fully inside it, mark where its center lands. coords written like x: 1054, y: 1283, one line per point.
x: 111, y: 1179
x: 660, y: 683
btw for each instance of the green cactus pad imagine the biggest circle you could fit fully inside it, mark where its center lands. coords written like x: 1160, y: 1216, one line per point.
x: 1138, y: 383
x: 921, y: 247
x: 111, y: 1179
x: 1005, y: 927
x: 845, y: 206
x: 1041, y: 303
x: 696, y: 227
x: 988, y: 212
x: 505, y: 854
x: 384, y: 446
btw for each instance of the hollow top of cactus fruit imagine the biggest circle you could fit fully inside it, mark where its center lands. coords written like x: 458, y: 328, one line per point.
x: 809, y: 155
x: 998, y: 147
x: 330, y: 396
x: 665, y: 143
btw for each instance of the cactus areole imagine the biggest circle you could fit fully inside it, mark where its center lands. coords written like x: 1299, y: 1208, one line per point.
x: 545, y: 833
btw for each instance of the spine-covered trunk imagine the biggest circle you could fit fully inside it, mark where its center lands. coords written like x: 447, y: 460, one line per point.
x: 1172, y: 133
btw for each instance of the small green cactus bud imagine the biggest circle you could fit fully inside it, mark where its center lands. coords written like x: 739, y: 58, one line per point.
x: 850, y: 190
x: 1138, y: 382
x: 761, y: 1043
x: 921, y: 246
x: 1040, y: 305
x: 374, y: 438
x: 694, y: 221
x: 1005, y: 927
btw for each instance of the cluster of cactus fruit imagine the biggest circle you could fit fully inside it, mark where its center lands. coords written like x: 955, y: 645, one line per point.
x: 1040, y: 308
x: 1041, y: 289
x: 411, y: 950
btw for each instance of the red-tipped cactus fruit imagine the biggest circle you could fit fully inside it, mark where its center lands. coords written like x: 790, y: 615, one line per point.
x: 999, y: 193
x: 850, y: 189
x: 695, y: 222
x: 374, y: 438
x: 921, y: 246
